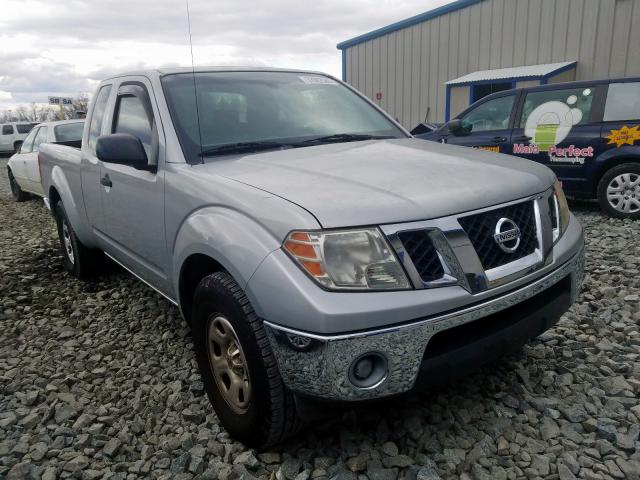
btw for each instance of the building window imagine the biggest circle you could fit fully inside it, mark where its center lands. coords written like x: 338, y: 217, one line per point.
x: 481, y: 90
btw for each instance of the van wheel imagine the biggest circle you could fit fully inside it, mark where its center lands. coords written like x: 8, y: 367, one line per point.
x: 238, y: 368
x: 79, y: 260
x: 16, y: 191
x: 16, y: 147
x: 619, y: 191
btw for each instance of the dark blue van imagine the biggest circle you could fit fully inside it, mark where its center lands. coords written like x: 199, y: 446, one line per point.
x: 587, y: 132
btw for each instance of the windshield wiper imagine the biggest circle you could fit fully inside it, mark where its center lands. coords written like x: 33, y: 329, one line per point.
x: 345, y: 137
x: 241, y: 147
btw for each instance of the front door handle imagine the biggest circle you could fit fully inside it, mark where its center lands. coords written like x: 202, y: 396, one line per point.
x: 499, y: 139
x: 522, y: 138
x: 106, y: 181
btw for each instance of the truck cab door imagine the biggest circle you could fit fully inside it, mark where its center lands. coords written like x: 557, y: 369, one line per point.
x: 558, y: 128
x: 91, y: 168
x: 133, y: 199
x: 486, y: 125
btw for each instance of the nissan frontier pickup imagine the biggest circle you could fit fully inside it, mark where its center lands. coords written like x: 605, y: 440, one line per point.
x: 316, y: 249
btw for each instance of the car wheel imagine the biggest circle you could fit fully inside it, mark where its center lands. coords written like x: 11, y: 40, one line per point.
x: 77, y: 259
x: 238, y: 368
x: 16, y: 147
x: 16, y: 191
x: 619, y: 191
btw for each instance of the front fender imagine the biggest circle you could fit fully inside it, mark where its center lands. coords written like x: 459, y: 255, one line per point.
x: 73, y: 205
x: 233, y: 239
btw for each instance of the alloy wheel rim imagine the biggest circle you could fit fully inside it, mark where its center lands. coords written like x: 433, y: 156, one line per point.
x: 66, y: 240
x: 623, y: 193
x: 228, y: 363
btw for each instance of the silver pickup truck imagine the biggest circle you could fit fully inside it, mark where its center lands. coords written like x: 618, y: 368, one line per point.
x: 316, y: 249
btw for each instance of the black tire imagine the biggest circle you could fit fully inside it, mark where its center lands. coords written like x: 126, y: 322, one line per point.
x: 16, y: 191
x: 271, y: 415
x: 78, y: 260
x: 16, y: 147
x: 632, y: 169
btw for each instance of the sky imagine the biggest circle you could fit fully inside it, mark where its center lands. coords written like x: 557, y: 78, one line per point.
x: 66, y: 48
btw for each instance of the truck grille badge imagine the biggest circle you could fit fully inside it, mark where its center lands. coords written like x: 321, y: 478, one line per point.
x: 507, y: 235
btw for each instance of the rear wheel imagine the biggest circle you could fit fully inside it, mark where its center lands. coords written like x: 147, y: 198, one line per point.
x: 16, y: 147
x: 619, y: 191
x: 77, y: 259
x: 16, y: 191
x: 238, y: 368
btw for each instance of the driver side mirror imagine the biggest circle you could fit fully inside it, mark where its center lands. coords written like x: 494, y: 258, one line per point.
x: 123, y: 149
x: 455, y: 127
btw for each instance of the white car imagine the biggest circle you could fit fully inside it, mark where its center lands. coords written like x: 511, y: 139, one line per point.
x: 23, y: 169
x: 12, y: 134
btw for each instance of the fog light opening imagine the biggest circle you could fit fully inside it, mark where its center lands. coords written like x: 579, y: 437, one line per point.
x: 368, y: 370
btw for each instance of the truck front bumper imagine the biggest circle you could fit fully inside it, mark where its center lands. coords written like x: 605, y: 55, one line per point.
x: 395, y: 357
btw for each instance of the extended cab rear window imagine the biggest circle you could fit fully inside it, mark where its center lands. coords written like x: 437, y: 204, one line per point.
x: 623, y: 102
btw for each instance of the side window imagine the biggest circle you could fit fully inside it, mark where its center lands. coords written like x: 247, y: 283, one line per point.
x: 24, y: 128
x: 41, y: 137
x: 490, y: 115
x: 97, y: 115
x: 132, y: 118
x: 7, y: 129
x: 27, y: 145
x: 552, y: 109
x: 623, y: 102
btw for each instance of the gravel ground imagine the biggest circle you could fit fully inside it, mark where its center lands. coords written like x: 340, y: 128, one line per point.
x: 99, y: 380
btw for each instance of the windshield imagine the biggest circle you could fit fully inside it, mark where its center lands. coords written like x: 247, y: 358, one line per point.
x: 273, y: 108
x: 69, y: 132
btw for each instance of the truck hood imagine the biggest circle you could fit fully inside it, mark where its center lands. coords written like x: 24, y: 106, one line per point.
x: 386, y: 181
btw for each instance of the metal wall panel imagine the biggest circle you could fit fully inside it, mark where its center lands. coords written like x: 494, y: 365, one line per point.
x: 410, y: 67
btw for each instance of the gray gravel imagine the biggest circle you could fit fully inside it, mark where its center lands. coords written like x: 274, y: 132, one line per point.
x: 98, y: 380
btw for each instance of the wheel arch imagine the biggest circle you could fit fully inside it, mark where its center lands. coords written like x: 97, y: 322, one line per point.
x: 54, y: 198
x: 611, y: 159
x: 216, y: 238
x: 195, y: 267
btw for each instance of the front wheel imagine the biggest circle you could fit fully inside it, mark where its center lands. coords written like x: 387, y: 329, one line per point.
x: 238, y: 368
x: 77, y: 259
x: 619, y: 191
x: 16, y: 191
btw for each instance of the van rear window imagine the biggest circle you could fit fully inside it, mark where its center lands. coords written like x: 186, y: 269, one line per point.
x: 623, y: 102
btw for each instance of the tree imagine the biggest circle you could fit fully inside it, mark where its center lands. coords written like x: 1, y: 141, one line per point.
x: 80, y: 105
x: 42, y: 112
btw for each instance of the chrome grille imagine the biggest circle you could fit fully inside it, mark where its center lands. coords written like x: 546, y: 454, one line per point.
x: 480, y: 228
x: 424, y: 256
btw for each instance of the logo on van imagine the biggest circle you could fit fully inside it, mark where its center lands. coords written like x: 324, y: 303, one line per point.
x: 624, y: 136
x: 507, y: 235
x: 550, y: 123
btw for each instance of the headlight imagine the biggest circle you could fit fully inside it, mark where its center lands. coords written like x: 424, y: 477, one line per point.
x: 561, y: 211
x: 347, y: 259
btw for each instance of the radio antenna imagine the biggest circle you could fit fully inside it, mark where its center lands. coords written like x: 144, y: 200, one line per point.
x: 195, y: 87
